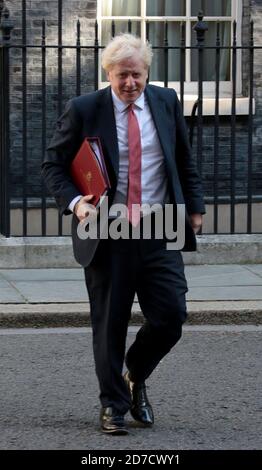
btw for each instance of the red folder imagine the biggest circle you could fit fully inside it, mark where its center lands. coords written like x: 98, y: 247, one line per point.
x: 88, y: 170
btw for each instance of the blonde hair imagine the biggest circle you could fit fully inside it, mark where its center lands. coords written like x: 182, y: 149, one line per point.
x: 122, y: 47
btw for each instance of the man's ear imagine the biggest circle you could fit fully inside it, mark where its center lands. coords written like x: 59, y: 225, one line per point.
x: 108, y: 75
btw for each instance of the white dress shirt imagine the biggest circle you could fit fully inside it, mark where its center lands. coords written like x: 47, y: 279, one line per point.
x: 153, y: 174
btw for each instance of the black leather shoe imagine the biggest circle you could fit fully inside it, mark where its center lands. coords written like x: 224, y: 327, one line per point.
x: 141, y: 410
x: 112, y: 422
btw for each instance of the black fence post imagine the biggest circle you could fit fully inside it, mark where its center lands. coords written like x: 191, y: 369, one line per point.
x: 216, y: 130
x: 43, y: 208
x: 192, y: 122
x: 166, y: 55
x: 147, y: 39
x: 78, y: 60
x: 250, y: 128
x: 96, y: 52
x: 6, y: 27
x: 233, y: 131
x: 113, y: 29
x: 200, y: 28
x: 60, y: 82
x: 182, y: 62
x: 24, y: 117
x: 1, y: 8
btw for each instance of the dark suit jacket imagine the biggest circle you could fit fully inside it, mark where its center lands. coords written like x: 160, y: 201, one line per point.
x: 92, y: 115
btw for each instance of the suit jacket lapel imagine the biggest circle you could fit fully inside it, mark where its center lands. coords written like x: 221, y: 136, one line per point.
x: 158, y: 110
x: 166, y: 133
x: 107, y: 129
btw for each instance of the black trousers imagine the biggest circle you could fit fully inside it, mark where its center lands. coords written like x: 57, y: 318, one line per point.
x: 120, y: 269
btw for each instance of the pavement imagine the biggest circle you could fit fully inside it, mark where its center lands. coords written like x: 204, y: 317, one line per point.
x: 206, y: 395
x: 218, y: 294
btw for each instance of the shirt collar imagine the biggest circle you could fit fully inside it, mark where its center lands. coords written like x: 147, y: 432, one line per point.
x: 121, y: 106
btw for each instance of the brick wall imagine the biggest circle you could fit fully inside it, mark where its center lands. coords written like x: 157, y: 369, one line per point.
x: 37, y: 10
x: 256, y: 14
x: 251, y: 10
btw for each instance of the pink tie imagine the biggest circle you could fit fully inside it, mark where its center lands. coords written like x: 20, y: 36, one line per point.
x: 134, y: 172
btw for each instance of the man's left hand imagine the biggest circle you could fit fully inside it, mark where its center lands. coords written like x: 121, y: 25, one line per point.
x: 196, y: 222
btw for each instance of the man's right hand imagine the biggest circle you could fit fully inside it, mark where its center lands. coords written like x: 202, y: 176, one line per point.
x: 82, y: 208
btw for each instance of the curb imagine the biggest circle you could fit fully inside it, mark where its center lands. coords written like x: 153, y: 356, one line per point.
x: 78, y: 314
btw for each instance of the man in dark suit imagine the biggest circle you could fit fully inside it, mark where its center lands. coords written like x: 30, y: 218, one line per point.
x: 145, y: 143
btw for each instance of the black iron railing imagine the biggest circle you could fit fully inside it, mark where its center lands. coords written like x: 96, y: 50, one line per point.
x: 196, y: 120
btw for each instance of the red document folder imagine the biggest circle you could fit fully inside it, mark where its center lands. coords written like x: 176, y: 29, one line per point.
x: 88, y: 170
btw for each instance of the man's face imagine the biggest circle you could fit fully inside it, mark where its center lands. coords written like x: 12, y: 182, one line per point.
x: 128, y: 78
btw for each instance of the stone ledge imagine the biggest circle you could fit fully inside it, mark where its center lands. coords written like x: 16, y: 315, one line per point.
x: 56, y: 252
